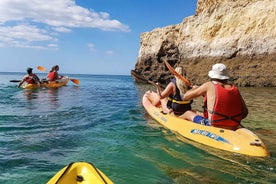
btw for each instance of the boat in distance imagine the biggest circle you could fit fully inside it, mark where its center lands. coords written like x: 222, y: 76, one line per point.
x: 49, y: 84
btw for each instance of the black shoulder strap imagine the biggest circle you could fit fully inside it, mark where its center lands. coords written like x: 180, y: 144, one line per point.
x: 224, y: 117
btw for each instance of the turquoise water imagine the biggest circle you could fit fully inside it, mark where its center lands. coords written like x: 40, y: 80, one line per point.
x: 103, y: 121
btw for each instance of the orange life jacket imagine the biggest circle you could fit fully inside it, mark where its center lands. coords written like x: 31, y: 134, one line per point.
x: 51, y: 76
x: 227, y: 110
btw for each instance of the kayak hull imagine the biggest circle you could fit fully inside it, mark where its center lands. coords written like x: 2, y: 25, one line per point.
x: 80, y: 172
x: 241, y: 141
x: 57, y: 83
x: 49, y: 84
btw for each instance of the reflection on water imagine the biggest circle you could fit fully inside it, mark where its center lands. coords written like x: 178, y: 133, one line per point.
x: 30, y: 94
x: 42, y: 98
x: 53, y: 98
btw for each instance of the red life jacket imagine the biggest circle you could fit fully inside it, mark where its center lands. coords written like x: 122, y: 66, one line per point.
x: 51, y: 76
x: 227, y: 110
x: 31, y: 79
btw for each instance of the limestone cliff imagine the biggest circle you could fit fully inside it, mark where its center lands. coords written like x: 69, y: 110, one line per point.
x: 238, y: 33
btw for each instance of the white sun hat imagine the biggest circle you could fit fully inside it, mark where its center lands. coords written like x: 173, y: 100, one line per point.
x: 218, y: 71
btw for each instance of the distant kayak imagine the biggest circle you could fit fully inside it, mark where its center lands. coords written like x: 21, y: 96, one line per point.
x: 49, y: 84
x: 80, y: 172
x: 242, y: 140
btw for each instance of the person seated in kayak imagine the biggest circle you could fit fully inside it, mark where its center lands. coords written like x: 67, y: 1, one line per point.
x: 171, y: 96
x: 223, y: 104
x: 53, y: 74
x: 30, y: 78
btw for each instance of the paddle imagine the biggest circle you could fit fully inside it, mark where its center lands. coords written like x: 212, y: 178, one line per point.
x: 41, y: 68
x: 177, y: 74
x: 15, y: 80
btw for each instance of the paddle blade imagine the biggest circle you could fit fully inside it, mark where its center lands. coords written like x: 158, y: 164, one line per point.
x: 41, y: 68
x: 15, y: 80
x: 76, y: 81
x: 177, y: 74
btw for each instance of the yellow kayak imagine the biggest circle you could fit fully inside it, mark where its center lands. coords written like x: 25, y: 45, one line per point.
x: 80, y: 173
x: 241, y: 141
x: 49, y: 84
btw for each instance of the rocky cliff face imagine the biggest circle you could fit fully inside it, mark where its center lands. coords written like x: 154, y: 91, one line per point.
x: 239, y: 33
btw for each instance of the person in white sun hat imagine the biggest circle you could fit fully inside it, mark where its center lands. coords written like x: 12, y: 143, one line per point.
x: 223, y: 105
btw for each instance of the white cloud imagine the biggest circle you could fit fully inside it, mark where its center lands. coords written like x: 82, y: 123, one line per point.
x: 23, y: 32
x: 62, y: 29
x: 91, y: 47
x: 59, y: 13
x: 53, y: 46
x: 109, y: 52
x: 23, y: 36
x: 31, y: 20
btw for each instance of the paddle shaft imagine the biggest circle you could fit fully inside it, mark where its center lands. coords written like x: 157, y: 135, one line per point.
x: 187, y: 82
x: 15, y: 80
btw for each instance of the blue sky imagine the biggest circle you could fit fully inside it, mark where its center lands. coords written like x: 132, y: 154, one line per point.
x: 81, y: 36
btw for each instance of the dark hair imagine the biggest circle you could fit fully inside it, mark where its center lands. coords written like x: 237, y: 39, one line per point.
x: 29, y: 70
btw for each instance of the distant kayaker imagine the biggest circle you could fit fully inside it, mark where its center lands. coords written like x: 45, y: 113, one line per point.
x: 30, y: 78
x: 223, y: 105
x: 53, y: 74
x: 171, y: 97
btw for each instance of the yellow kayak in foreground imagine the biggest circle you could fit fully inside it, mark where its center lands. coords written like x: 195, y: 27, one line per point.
x: 241, y: 141
x: 80, y: 173
x: 49, y: 84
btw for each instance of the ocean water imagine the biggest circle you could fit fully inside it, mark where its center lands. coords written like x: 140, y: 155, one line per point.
x: 103, y: 121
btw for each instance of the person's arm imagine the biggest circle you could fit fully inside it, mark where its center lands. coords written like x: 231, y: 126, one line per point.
x: 36, y: 78
x: 167, y: 91
x: 56, y: 75
x: 158, y: 89
x: 244, y: 109
x: 21, y: 82
x: 196, y: 91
